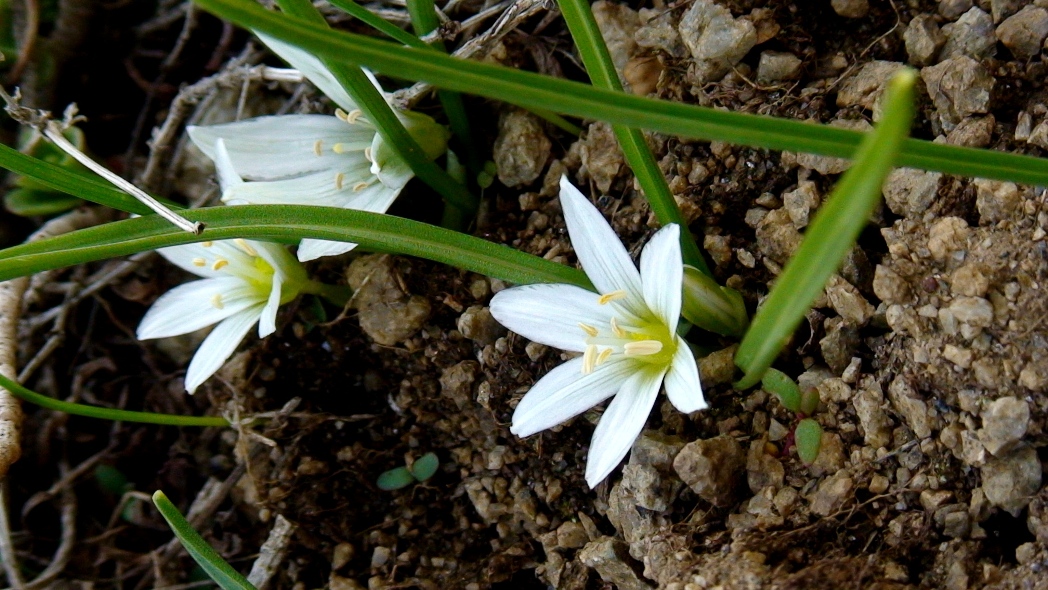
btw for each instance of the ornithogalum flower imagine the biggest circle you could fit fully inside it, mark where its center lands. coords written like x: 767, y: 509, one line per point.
x: 334, y: 161
x: 244, y: 282
x: 626, y: 332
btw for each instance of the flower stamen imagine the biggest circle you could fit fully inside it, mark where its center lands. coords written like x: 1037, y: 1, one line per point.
x: 245, y: 247
x: 590, y: 330
x: 609, y: 297
x: 603, y: 356
x: 360, y: 186
x: 219, y: 264
x: 341, y: 115
x: 339, y: 148
x: 367, y: 153
x: 353, y: 115
x: 339, y: 179
x: 589, y: 359
x: 318, y: 147
x: 642, y: 348
x: 207, y: 244
x: 199, y: 262
x: 615, y: 329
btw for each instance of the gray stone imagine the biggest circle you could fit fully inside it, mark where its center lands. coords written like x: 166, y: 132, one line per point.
x: 946, y: 236
x: 393, y: 322
x: 602, y: 158
x: 974, y: 311
x: 477, y: 324
x: 647, y: 477
x: 826, y: 165
x: 951, y: 9
x: 521, y: 148
x: 800, y: 202
x: 762, y: 469
x: 1039, y: 135
x: 718, y: 367
x: 847, y: 301
x: 608, y: 557
x: 923, y: 40
x: 910, y: 192
x: 911, y: 407
x: 777, y: 238
x: 712, y: 468
x: 839, y: 344
x: 717, y: 41
x: 775, y: 66
x: 889, y: 287
x: 1024, y: 32
x: 832, y: 494
x: 1009, y: 482
x: 1005, y: 421
x: 876, y: 427
x: 1002, y: 9
x: 996, y: 200
x: 971, y: 35
x: 969, y: 280
x: 866, y: 86
x: 959, y: 87
x: 660, y: 32
x: 456, y: 382
x: 851, y: 8
x: 571, y: 535
x: 617, y: 23
x: 973, y: 132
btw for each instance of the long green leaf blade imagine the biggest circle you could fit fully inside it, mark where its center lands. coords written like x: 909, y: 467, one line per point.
x: 217, y: 569
x: 536, y: 91
x: 829, y: 238
x: 289, y: 223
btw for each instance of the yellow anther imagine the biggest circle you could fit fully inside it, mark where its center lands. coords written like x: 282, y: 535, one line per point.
x: 216, y: 301
x: 219, y: 263
x: 353, y: 116
x: 199, y: 262
x: 615, y: 329
x: 603, y: 356
x: 207, y: 244
x: 341, y: 115
x: 359, y: 186
x: 243, y: 245
x: 339, y: 148
x: 642, y: 348
x: 589, y: 330
x: 339, y: 179
x: 589, y: 359
x: 609, y: 297
x: 318, y: 147
x: 367, y: 153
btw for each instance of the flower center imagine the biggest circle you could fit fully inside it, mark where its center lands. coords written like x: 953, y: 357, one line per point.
x: 646, y: 340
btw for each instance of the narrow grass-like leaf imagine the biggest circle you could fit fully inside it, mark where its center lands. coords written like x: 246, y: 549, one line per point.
x: 73, y: 183
x: 217, y: 569
x: 830, y: 236
x: 289, y: 224
x: 108, y: 413
x: 581, y: 100
x: 379, y: 24
x: 601, y: 69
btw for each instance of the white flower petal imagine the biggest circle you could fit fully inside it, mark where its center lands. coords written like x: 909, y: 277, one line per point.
x: 317, y: 188
x: 395, y: 174
x: 311, y: 249
x: 284, y: 264
x: 280, y: 146
x: 228, y: 177
x: 267, y: 320
x: 187, y: 255
x: 189, y: 307
x: 219, y: 346
x: 603, y: 257
x: 621, y: 423
x: 662, y: 274
x: 552, y: 314
x: 565, y: 393
x: 313, y: 69
x: 683, y: 387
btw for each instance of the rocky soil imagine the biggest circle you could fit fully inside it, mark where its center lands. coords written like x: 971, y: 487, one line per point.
x: 929, y: 349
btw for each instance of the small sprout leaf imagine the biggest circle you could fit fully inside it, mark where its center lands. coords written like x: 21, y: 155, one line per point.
x: 779, y: 383
x: 424, y: 468
x: 809, y: 438
x: 809, y: 402
x: 395, y: 479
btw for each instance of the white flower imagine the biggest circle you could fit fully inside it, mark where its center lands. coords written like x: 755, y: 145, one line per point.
x: 244, y: 283
x: 334, y: 161
x: 626, y: 332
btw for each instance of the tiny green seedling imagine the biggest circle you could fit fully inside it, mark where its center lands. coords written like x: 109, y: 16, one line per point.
x: 421, y: 470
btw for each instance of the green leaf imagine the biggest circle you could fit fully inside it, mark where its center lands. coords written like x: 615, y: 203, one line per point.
x: 28, y: 202
x: 289, y: 224
x: 779, y: 383
x: 395, y: 479
x: 808, y: 436
x: 830, y: 236
x: 221, y: 572
x: 108, y: 413
x: 544, y: 92
x: 425, y: 466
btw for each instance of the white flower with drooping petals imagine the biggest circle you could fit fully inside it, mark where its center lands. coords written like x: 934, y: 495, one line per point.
x: 626, y: 332
x: 334, y: 161
x: 244, y: 283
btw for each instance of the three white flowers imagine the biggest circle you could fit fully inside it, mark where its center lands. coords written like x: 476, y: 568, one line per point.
x: 626, y: 333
